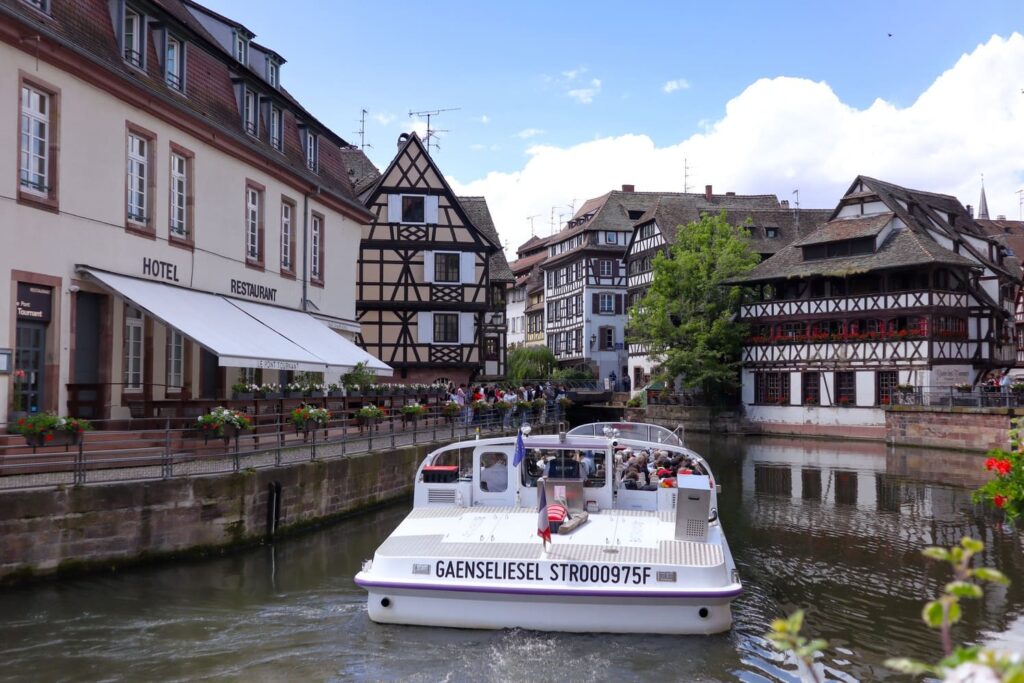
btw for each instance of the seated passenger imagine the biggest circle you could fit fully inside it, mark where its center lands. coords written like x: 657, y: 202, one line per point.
x: 630, y: 480
x: 494, y: 477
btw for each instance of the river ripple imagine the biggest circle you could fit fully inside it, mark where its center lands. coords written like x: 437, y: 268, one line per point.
x: 835, y: 528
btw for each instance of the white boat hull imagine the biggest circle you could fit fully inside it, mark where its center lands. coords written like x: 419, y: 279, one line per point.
x: 583, y: 614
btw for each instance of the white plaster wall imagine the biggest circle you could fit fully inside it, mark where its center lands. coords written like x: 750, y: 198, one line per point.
x: 513, y: 310
x: 817, y: 415
x: 865, y: 388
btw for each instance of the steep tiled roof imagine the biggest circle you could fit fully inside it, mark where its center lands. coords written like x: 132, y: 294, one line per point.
x: 847, y: 229
x: 361, y: 171
x: 477, y: 211
x: 526, y: 264
x: 85, y: 29
x: 1008, y: 233
x: 903, y: 248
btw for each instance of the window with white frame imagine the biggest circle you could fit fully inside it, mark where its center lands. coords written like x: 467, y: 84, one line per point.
x: 132, y: 34
x: 175, y: 359
x: 611, y: 238
x: 446, y: 328
x: 179, y: 195
x: 605, y: 303
x: 286, y: 237
x: 252, y: 224
x: 311, y: 151
x: 316, y: 237
x: 605, y: 268
x: 138, y: 177
x: 413, y: 208
x: 35, y: 140
x: 133, y: 348
x: 174, y: 64
x: 249, y: 112
x: 276, y: 128
x: 272, y: 72
x: 241, y: 48
x: 446, y: 267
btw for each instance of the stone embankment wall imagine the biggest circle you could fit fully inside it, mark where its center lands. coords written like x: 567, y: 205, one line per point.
x: 972, y: 429
x: 693, y: 419
x: 71, y: 529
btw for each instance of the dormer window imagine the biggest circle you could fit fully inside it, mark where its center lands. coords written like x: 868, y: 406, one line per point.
x: 249, y: 112
x: 174, y: 64
x: 311, y: 151
x: 131, y: 37
x: 272, y: 72
x: 771, y: 233
x: 242, y: 48
x: 276, y: 128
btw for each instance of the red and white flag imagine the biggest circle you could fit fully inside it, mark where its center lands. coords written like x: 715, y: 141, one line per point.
x: 543, y: 526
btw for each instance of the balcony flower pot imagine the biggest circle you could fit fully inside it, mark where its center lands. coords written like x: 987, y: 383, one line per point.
x: 242, y: 396
x: 274, y: 395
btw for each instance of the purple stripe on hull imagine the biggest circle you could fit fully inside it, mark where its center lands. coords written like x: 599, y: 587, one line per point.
x: 534, y: 591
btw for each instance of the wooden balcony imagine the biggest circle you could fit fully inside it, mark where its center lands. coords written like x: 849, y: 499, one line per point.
x: 855, y: 304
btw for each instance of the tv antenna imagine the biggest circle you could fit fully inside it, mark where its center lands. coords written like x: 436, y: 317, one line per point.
x: 432, y: 132
x: 1020, y: 204
x: 558, y: 206
x: 530, y: 218
x: 686, y: 176
x: 362, y: 131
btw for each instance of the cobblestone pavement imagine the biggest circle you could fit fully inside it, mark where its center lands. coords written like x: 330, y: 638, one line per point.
x: 152, y: 463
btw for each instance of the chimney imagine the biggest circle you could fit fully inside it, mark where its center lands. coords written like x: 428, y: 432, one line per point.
x: 1000, y: 217
x: 707, y: 192
x: 730, y: 194
x: 970, y: 210
x: 784, y: 203
x: 628, y: 188
x: 402, y: 139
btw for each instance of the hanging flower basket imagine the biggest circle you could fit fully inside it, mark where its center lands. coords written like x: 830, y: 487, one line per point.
x: 223, y: 422
x: 47, y: 429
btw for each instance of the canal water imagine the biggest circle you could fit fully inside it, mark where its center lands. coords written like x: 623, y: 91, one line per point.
x: 833, y: 527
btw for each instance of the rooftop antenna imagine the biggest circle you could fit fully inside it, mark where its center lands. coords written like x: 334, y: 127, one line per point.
x: 1020, y: 204
x: 362, y: 131
x: 559, y: 206
x: 797, y: 210
x: 432, y: 132
x: 530, y: 218
x: 686, y: 176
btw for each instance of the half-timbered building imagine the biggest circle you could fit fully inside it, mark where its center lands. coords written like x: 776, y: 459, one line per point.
x: 898, y: 287
x: 424, y: 273
x: 526, y: 296
x: 1010, y: 233
x: 772, y: 225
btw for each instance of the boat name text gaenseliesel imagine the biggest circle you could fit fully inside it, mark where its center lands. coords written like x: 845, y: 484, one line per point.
x: 531, y: 571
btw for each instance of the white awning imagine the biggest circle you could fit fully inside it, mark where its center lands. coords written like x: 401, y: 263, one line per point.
x: 242, y: 334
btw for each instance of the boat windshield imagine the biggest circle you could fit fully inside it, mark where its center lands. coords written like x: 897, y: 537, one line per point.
x: 629, y: 430
x: 586, y: 465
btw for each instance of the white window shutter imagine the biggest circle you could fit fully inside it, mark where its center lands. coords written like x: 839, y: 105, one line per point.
x: 425, y: 327
x: 430, y: 209
x: 394, y: 208
x: 428, y: 266
x: 467, y: 327
x: 467, y: 267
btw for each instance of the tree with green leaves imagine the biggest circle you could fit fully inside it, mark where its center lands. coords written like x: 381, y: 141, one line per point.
x: 688, y: 316
x: 529, y: 362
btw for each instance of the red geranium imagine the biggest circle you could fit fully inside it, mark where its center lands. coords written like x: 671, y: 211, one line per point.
x: 1003, y: 467
x: 49, y: 437
x: 990, y: 464
x: 999, y: 500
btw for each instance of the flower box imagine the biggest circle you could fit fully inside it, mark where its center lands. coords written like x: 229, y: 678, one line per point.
x: 274, y: 395
x: 238, y: 396
x: 54, y: 438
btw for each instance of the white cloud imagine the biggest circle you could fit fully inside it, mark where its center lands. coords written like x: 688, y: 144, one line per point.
x: 572, y: 74
x: 477, y: 147
x: 485, y: 119
x: 586, y: 95
x: 677, y: 84
x: 785, y: 133
x: 419, y: 126
x: 384, y: 118
x: 527, y: 133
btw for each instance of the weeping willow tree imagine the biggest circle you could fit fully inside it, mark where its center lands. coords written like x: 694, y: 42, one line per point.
x: 530, y: 362
x: 688, y: 316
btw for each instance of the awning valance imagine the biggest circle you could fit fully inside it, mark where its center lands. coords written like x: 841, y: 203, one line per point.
x: 242, y: 334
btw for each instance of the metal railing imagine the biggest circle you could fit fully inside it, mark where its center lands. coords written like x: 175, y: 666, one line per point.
x: 950, y: 397
x: 181, y: 450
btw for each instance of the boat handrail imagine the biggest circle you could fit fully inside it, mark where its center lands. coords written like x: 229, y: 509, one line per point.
x: 642, y: 431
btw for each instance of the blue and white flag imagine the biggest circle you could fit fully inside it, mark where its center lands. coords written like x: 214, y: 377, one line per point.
x: 520, y: 450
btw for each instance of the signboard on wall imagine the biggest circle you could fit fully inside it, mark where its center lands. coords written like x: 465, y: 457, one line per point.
x: 35, y: 302
x: 948, y: 375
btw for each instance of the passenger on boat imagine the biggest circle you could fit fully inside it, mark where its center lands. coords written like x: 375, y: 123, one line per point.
x: 494, y: 477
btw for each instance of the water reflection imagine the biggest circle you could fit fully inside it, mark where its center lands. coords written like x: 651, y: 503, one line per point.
x: 835, y: 528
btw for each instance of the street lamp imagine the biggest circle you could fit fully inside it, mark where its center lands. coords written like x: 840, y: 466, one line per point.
x: 593, y: 340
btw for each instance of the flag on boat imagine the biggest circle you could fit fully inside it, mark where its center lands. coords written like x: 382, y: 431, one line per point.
x: 543, y: 526
x: 520, y: 450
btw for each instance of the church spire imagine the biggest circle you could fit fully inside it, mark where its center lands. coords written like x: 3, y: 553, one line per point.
x: 983, y: 203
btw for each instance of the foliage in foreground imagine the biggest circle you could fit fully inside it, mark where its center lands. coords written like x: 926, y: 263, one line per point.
x: 1006, y: 489
x: 687, y: 317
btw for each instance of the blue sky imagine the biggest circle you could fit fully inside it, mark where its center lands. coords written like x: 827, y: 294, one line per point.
x: 563, y: 74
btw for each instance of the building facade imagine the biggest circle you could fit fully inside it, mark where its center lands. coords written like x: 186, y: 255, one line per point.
x: 173, y: 220
x: 426, y: 302
x: 526, y: 295
x: 899, y: 287
x: 772, y: 225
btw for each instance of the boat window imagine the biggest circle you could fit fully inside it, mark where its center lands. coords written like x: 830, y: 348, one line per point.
x: 493, y: 472
x: 461, y: 458
x: 564, y: 464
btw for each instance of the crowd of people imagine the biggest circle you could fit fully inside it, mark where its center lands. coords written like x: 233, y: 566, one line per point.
x: 647, y: 470
x: 492, y: 393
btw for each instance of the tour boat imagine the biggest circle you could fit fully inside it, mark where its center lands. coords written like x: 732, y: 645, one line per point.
x: 474, y: 550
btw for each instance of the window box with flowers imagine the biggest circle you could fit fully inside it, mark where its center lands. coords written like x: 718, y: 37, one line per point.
x: 368, y: 414
x: 450, y: 410
x: 413, y: 412
x: 243, y: 391
x: 963, y: 387
x: 307, y: 418
x: 47, y: 429
x: 223, y: 423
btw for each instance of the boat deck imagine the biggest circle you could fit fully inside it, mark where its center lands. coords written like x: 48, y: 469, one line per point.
x: 490, y: 533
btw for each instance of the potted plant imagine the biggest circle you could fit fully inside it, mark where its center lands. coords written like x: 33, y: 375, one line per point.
x: 223, y: 422
x: 271, y: 390
x: 357, y: 380
x: 450, y: 410
x: 294, y: 389
x: 307, y: 418
x: 47, y: 429
x: 243, y: 391
x: 565, y: 402
x: 413, y: 412
x: 634, y: 402
x: 335, y: 390
x: 369, y: 414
